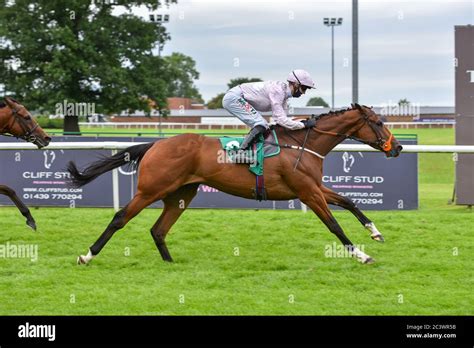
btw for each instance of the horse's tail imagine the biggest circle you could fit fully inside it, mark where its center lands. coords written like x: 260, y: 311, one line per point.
x: 131, y: 156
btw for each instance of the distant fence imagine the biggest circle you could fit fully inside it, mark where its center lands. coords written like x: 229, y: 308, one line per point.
x: 163, y: 125
x: 443, y: 124
x: 189, y: 125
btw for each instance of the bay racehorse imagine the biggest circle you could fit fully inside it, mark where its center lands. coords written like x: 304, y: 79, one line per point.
x: 172, y: 169
x: 16, y: 120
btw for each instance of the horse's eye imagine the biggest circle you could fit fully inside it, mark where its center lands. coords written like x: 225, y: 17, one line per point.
x: 28, y: 117
x: 379, y: 123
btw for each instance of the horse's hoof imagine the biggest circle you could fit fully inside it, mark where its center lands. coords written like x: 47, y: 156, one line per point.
x: 81, y: 260
x: 378, y: 238
x: 369, y: 261
x: 31, y: 223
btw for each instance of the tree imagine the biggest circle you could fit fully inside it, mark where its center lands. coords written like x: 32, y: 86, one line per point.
x: 403, y: 101
x: 181, y: 73
x: 216, y: 102
x: 76, y: 50
x: 317, y: 101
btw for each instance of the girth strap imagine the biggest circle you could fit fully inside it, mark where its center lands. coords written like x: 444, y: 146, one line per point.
x: 260, y: 193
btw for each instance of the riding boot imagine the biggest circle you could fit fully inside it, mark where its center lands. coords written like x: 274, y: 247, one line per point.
x: 251, y: 136
x: 244, y: 154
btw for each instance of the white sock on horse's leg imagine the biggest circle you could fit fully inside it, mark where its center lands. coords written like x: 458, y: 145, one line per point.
x: 374, y: 232
x: 85, y: 259
x: 360, y: 255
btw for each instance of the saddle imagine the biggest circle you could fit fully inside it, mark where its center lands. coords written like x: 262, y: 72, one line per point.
x: 265, y: 146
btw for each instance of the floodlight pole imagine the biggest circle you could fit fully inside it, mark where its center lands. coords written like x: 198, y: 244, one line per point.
x: 355, y: 52
x: 332, y: 22
x: 161, y: 20
x: 332, y: 65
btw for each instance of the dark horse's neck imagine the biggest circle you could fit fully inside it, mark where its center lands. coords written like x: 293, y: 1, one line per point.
x: 345, y: 122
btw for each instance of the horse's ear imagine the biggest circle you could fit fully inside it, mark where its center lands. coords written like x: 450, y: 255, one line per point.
x: 9, y: 102
x: 358, y: 106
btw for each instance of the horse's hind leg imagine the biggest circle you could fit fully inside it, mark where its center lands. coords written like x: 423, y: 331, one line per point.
x: 7, y: 191
x: 344, y: 202
x: 121, y: 218
x: 175, y: 204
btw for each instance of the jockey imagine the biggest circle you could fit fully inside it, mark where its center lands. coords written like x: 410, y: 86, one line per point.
x: 246, y: 100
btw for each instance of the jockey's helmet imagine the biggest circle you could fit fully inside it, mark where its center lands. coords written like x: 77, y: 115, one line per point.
x: 301, y: 77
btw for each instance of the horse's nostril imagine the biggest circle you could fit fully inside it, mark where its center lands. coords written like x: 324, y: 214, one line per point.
x: 399, y: 148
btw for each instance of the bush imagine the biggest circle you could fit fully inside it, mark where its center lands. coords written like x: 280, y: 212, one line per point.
x: 56, y: 123
x: 46, y: 122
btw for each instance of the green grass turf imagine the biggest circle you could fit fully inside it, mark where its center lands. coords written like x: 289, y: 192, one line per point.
x: 424, y: 268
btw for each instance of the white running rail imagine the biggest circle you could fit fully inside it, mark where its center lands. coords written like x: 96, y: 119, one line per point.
x: 117, y: 145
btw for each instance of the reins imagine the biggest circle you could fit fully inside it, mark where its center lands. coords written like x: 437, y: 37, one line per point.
x: 302, y: 149
x: 386, y: 145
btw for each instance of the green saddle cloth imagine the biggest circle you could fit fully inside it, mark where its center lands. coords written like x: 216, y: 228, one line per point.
x: 232, y: 144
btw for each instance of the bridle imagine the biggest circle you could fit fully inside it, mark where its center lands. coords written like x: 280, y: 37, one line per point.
x: 385, y: 145
x: 27, y: 133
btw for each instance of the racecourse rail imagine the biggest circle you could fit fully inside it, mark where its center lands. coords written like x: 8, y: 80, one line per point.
x: 117, y: 145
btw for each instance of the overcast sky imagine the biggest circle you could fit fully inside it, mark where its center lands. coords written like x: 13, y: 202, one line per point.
x: 406, y: 48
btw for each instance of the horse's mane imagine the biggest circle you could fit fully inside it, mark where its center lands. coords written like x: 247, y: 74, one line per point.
x: 341, y: 111
x: 330, y: 113
x: 337, y: 112
x: 3, y: 104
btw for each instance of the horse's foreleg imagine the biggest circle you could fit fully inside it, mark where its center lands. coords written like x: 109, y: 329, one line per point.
x: 316, y: 201
x: 346, y: 203
x: 121, y: 218
x: 7, y: 191
x: 175, y: 204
